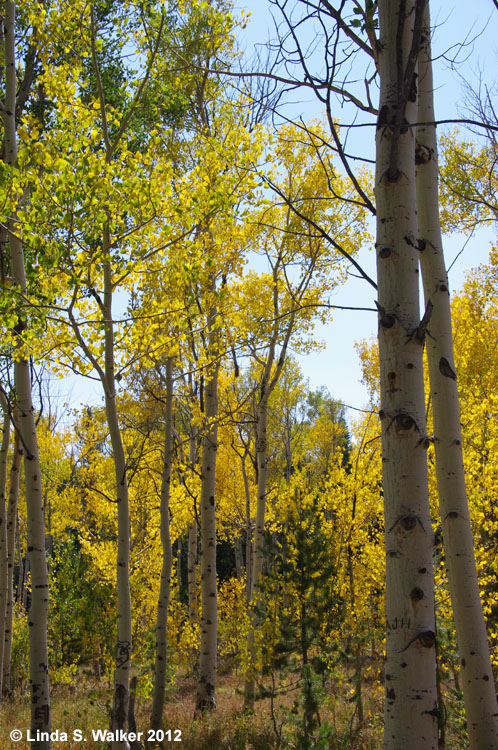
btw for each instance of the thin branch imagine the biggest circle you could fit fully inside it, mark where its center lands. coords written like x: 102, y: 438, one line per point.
x: 143, y: 83
x: 100, y: 88
x: 322, y: 232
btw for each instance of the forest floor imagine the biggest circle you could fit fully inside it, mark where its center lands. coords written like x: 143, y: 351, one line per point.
x: 85, y: 707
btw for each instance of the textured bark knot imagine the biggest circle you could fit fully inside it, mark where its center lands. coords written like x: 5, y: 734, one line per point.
x: 423, y: 154
x: 416, y: 242
x: 427, y: 639
x: 421, y: 329
x: 405, y: 422
x: 386, y: 252
x: 386, y: 320
x: 416, y: 594
x: 434, y: 712
x: 408, y: 523
x: 445, y: 369
x: 424, y: 442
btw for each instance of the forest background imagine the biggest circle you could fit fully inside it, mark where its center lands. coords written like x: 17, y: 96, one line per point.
x: 179, y: 233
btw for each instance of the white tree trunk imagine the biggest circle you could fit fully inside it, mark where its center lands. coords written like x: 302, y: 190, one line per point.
x: 38, y: 612
x: 237, y: 548
x: 179, y: 551
x: 193, y: 610
x: 164, y: 589
x: 11, y: 551
x: 4, y: 552
x: 119, y: 712
x: 258, y: 545
x: 473, y: 648
x: 411, y: 709
x: 193, y: 606
x: 247, y: 495
x: 209, y: 598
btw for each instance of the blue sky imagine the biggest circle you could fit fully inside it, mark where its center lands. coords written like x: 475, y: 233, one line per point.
x: 337, y: 366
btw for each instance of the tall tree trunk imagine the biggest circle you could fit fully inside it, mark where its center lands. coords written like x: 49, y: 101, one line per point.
x: 38, y: 611
x: 272, y: 371
x: 248, y: 527
x: 411, y: 711
x: 193, y: 608
x: 11, y: 551
x: 473, y: 648
x: 269, y: 380
x: 119, y: 712
x: 164, y: 589
x: 258, y: 545
x: 209, y: 598
x: 358, y: 662
x: 4, y: 553
x: 237, y: 545
x: 179, y: 550
x: 22, y: 566
x: 193, y: 611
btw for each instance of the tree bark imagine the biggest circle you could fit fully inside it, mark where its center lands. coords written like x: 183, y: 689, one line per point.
x: 38, y: 611
x: 119, y: 712
x: 11, y: 551
x: 179, y: 550
x: 4, y: 589
x: 258, y: 545
x: 411, y: 710
x: 22, y: 567
x: 164, y: 590
x: 247, y: 494
x: 473, y: 648
x: 237, y: 548
x: 209, y: 598
x: 193, y: 610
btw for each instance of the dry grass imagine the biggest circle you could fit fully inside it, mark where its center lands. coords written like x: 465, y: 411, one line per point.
x: 85, y: 706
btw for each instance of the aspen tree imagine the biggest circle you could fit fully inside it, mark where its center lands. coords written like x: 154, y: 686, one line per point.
x: 164, y: 590
x: 242, y: 446
x: 206, y: 685
x: 411, y: 711
x: 119, y: 713
x: 473, y: 649
x: 11, y: 537
x: 436, y: 289
x: 38, y: 612
x: 249, y: 559
x: 193, y: 613
x: 192, y: 533
x: 292, y: 302
x: 4, y: 455
x: 99, y: 272
x: 272, y: 370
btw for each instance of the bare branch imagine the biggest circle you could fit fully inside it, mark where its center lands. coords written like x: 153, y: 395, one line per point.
x: 322, y: 232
